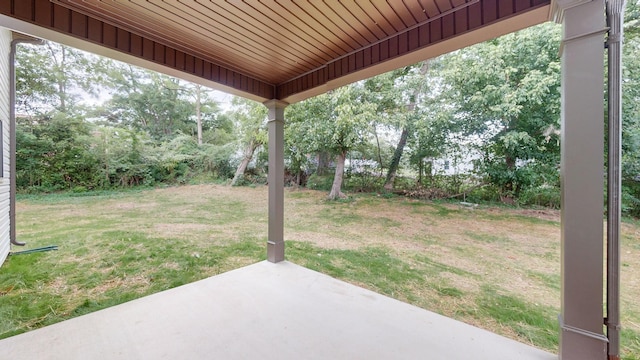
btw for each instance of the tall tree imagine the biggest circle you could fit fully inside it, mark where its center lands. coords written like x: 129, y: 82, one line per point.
x: 52, y: 77
x: 403, y: 109
x: 150, y: 101
x: 336, y: 123
x: 506, y: 92
x: 206, y: 110
x: 198, y: 106
x: 250, y: 118
x: 631, y: 111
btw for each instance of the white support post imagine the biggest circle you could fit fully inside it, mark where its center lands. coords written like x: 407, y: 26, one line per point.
x: 275, y: 242
x: 582, y: 178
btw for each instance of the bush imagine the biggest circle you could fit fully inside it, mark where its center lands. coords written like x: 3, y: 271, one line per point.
x: 361, y: 182
x: 630, y: 198
x: 252, y: 177
x: 488, y: 193
x: 320, y: 182
x: 79, y: 189
x: 544, y: 195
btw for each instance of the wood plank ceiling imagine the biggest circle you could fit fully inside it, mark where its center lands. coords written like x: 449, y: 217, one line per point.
x: 269, y: 48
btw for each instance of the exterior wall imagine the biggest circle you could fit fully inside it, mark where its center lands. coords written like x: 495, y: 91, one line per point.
x: 5, y: 48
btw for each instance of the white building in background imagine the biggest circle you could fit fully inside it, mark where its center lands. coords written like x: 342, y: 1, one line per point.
x: 461, y: 154
x: 459, y: 162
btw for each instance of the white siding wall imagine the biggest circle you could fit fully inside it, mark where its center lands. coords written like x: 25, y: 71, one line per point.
x: 5, y: 48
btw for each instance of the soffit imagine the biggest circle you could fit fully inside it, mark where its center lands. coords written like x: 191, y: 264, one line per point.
x: 271, y: 49
x: 273, y: 41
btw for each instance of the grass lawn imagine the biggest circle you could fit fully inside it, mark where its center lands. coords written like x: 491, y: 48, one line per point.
x: 492, y: 267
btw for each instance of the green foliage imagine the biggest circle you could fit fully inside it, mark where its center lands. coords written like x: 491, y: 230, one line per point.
x: 332, y: 122
x: 363, y: 182
x: 250, y: 120
x: 498, y: 99
x: 49, y: 76
x: 142, y: 136
x: 631, y: 112
x: 507, y: 97
x: 151, y: 102
x: 319, y: 182
x: 53, y: 153
x: 543, y: 195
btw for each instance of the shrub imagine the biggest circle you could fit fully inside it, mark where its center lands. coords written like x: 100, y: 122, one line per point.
x: 320, y: 182
x: 544, y: 195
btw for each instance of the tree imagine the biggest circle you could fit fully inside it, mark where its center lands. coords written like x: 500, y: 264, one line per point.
x: 153, y: 129
x: 149, y: 101
x: 206, y: 110
x: 51, y: 77
x: 250, y: 119
x: 198, y: 95
x: 54, y: 153
x: 631, y: 111
x: 398, y: 94
x: 507, y: 96
x: 336, y: 123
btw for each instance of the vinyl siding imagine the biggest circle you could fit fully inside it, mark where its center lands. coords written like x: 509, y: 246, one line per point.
x: 5, y: 48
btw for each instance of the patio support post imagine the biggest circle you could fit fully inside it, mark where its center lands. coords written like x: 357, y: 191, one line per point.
x: 582, y: 180
x: 275, y: 178
x: 615, y: 19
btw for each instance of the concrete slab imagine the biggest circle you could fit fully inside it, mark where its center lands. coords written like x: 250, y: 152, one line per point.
x: 265, y: 311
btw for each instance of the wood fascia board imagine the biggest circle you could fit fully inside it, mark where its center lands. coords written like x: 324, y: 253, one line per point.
x: 485, y: 33
x: 52, y: 35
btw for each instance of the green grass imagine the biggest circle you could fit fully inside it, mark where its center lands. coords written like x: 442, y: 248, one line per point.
x: 534, y: 323
x: 431, y: 268
x: 550, y: 280
x: 487, y: 238
x: 375, y: 267
x: 118, y: 246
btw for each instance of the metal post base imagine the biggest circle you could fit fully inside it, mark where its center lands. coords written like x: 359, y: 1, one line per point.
x: 275, y: 251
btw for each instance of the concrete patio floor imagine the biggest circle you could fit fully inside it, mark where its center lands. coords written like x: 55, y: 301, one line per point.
x: 265, y: 311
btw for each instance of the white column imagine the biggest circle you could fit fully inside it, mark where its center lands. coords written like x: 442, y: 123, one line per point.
x: 582, y: 178
x: 275, y: 242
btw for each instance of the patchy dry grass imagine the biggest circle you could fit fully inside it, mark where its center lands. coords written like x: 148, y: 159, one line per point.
x: 492, y: 267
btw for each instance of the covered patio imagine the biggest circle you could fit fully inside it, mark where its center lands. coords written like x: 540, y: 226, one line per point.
x: 281, y: 52
x: 265, y: 311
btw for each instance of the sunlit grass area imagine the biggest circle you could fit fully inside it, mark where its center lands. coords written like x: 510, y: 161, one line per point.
x: 496, y: 268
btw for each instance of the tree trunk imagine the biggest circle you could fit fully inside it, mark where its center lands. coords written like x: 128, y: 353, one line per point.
x: 336, y: 193
x: 375, y: 133
x: 60, y: 69
x: 248, y: 154
x: 107, y: 179
x: 397, y: 154
x: 395, y: 162
x: 198, y: 113
x: 509, y: 189
x: 323, y: 163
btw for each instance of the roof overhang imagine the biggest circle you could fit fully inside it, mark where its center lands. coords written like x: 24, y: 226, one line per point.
x: 286, y: 50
